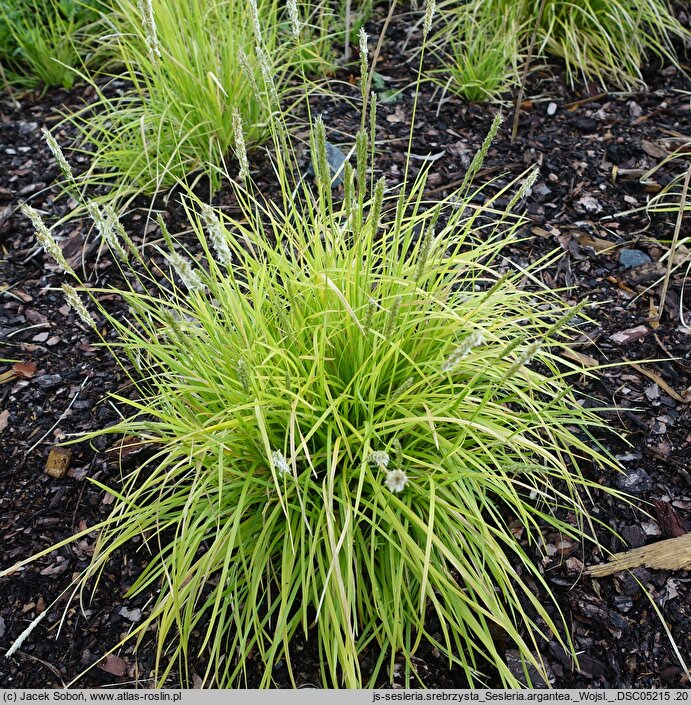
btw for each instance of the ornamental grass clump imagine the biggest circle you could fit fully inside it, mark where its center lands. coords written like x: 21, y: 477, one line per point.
x: 360, y: 428
x: 481, y: 58
x: 608, y: 41
x: 605, y: 41
x: 191, y: 65
x: 352, y: 405
x: 47, y: 41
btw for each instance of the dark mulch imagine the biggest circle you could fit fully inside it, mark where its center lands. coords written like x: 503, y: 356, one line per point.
x: 61, y: 386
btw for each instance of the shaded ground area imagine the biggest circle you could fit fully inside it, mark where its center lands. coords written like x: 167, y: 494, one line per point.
x: 592, y: 150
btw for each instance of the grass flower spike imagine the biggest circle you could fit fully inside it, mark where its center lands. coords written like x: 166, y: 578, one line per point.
x: 46, y: 240
x: 280, y: 463
x: 243, y: 374
x: 430, y: 7
x: 396, y: 480
x: 240, y: 147
x: 56, y: 151
x: 217, y: 235
x: 294, y: 17
x: 465, y: 348
x: 362, y: 37
x: 184, y: 270
x: 379, y: 458
x: 256, y: 24
x: 524, y: 358
x: 146, y: 11
x: 107, y: 223
x: 76, y: 304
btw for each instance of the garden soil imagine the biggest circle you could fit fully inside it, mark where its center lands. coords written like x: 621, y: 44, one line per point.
x: 587, y: 209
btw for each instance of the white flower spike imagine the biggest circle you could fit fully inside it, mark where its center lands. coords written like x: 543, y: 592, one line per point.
x: 46, y: 240
x: 76, y: 304
x: 184, y: 270
x: 58, y: 155
x: 280, y: 463
x: 214, y: 228
x: 472, y: 341
x: 396, y: 480
x: 379, y: 458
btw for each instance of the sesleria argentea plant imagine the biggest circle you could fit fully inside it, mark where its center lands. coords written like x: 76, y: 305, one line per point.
x: 48, y: 41
x: 481, y: 53
x: 355, y: 406
x: 189, y: 65
x: 603, y: 41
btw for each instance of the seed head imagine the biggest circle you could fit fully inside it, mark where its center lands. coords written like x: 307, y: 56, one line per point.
x: 55, y: 150
x: 279, y: 463
x: 188, y: 276
x: 75, y: 303
x: 254, y: 11
x: 372, y: 306
x: 527, y: 184
x: 267, y: 74
x: 472, y: 341
x: 402, y: 388
x: 481, y: 154
x: 249, y: 72
x: 379, y: 458
x: 362, y: 36
x: 294, y: 17
x: 107, y: 224
x: 423, y: 252
x: 430, y: 7
x: 392, y: 318
x: 397, y: 451
x: 46, y: 240
x: 240, y: 148
x: 361, y: 162
x: 216, y: 235
x: 243, y: 374
x: 377, y: 202
x: 396, y: 480
x: 146, y: 11
x: 524, y: 358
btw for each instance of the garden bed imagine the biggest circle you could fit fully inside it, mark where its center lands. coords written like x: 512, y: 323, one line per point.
x: 592, y: 148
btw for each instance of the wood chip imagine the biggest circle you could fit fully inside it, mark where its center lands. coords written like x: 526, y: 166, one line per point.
x: 4, y: 420
x: 597, y: 243
x: 590, y: 204
x: 626, y: 174
x: 24, y: 370
x: 397, y: 116
x: 668, y: 519
x: 114, y: 665
x: 630, y: 335
x: 653, y: 150
x: 134, y: 615
x: 672, y: 554
x: 58, y: 462
x: 126, y: 447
